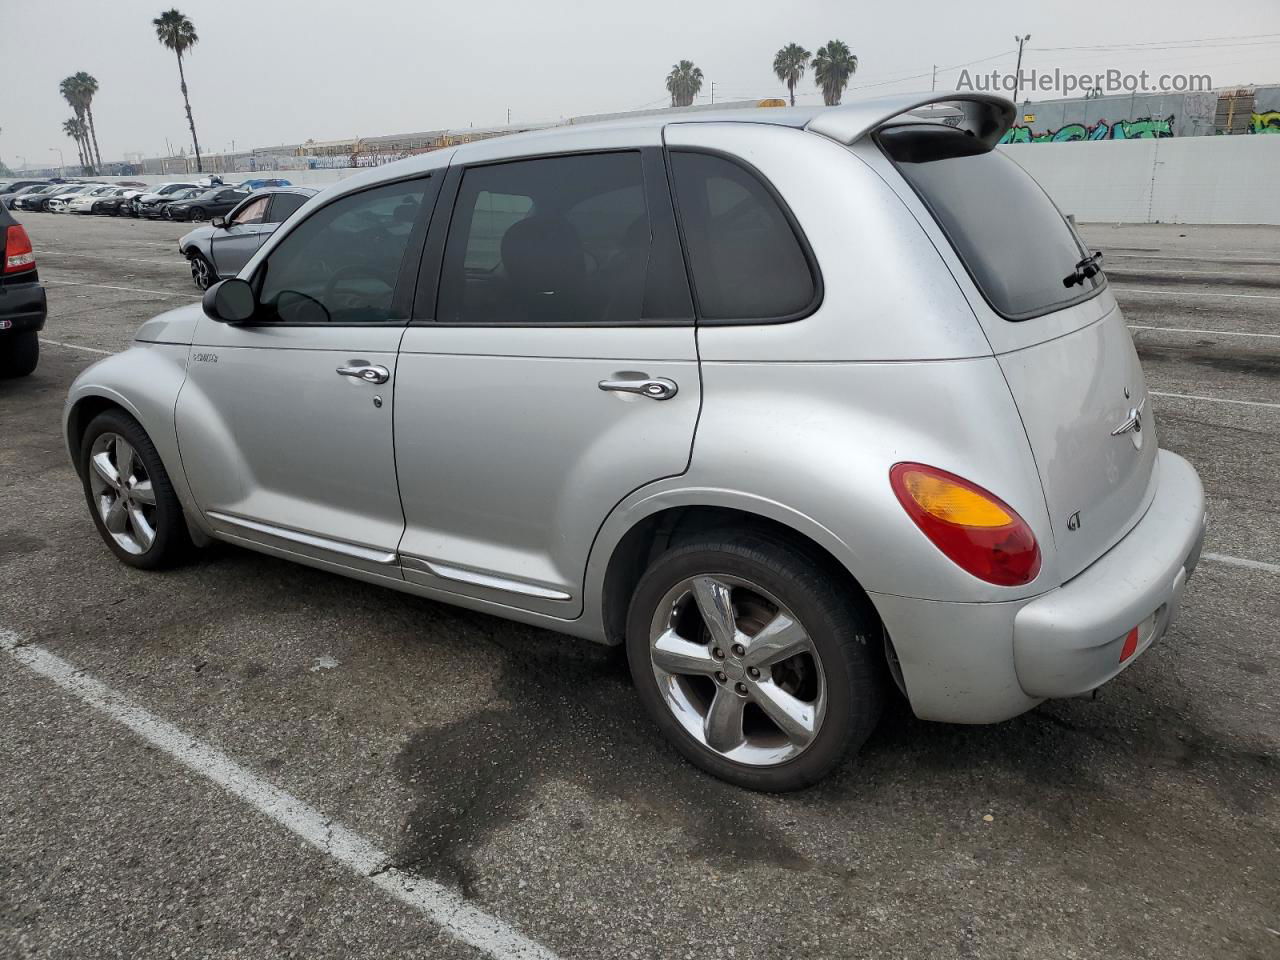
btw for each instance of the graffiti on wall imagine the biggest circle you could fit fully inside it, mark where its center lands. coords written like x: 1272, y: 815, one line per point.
x: 1265, y: 122
x: 1144, y: 128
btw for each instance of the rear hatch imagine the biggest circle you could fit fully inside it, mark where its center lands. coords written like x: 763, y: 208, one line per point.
x: 1057, y: 333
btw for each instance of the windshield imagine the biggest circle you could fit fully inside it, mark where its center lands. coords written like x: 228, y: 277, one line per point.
x: 1015, y: 244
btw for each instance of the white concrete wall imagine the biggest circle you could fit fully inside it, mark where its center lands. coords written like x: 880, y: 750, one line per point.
x: 1176, y: 180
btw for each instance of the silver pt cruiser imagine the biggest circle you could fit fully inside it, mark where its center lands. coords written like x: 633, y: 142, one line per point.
x: 797, y: 405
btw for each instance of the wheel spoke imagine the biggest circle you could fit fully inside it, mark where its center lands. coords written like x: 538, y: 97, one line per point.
x: 105, y: 469
x: 715, y: 603
x: 777, y: 640
x: 723, y: 724
x: 144, y: 493
x: 143, y: 532
x: 124, y: 458
x: 674, y: 654
x: 794, y: 717
x: 113, y: 516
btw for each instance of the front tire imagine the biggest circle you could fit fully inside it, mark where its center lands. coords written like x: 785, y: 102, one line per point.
x: 197, y: 213
x: 759, y: 665
x: 19, y: 354
x: 130, y: 496
x: 202, y: 273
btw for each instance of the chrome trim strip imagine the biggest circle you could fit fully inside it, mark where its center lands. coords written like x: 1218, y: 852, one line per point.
x: 307, y: 539
x: 477, y: 579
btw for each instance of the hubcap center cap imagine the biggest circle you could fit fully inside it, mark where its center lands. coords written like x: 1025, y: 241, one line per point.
x: 733, y: 669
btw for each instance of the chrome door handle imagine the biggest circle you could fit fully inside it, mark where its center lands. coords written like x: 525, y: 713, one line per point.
x: 368, y: 372
x: 659, y: 388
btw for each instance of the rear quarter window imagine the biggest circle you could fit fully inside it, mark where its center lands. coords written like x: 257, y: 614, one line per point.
x: 1012, y: 239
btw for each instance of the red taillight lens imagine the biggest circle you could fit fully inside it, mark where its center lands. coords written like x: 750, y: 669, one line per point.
x: 17, y: 250
x: 977, y: 530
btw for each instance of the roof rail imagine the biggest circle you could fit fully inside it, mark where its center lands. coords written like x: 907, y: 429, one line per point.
x: 985, y: 115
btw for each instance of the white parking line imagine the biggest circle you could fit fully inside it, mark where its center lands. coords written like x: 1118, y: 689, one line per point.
x: 1122, y: 290
x: 108, y: 286
x: 177, y: 261
x: 1216, y: 333
x: 437, y: 903
x: 1242, y: 562
x: 1192, y: 396
x: 76, y: 346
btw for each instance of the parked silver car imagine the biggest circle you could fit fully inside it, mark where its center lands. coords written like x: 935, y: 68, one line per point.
x: 796, y: 405
x: 221, y: 249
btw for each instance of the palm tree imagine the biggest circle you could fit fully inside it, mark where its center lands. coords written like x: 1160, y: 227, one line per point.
x: 88, y: 86
x: 832, y: 68
x: 683, y: 82
x: 789, y: 64
x: 178, y: 33
x: 74, y: 128
x: 74, y: 95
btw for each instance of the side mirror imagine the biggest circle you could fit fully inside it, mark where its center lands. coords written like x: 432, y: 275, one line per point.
x: 219, y: 221
x: 230, y: 301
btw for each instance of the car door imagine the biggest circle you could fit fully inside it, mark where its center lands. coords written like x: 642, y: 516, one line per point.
x: 551, y: 369
x: 239, y: 237
x: 283, y: 206
x: 285, y: 422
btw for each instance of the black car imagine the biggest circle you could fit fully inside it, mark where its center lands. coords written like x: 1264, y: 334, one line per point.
x: 33, y: 199
x: 8, y: 198
x: 13, y: 186
x: 22, y: 300
x: 212, y: 203
x: 155, y: 207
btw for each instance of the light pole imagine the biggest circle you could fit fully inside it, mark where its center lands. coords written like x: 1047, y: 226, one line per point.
x: 1017, y: 72
x: 62, y: 165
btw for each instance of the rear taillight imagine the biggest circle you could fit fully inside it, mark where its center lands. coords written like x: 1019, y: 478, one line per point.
x: 18, y: 254
x: 975, y: 529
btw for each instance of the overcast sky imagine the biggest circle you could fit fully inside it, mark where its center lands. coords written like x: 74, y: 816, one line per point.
x: 283, y: 71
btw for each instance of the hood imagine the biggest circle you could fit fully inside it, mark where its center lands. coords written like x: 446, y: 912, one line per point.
x: 197, y: 235
x: 173, y: 326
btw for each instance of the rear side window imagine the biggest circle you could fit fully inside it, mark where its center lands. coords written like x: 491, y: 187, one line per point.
x: 556, y: 240
x: 746, y: 259
x: 1014, y: 242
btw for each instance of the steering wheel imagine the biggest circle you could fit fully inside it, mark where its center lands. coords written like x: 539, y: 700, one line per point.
x: 347, y: 273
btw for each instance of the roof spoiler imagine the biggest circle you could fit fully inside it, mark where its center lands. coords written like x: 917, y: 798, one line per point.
x: 984, y: 115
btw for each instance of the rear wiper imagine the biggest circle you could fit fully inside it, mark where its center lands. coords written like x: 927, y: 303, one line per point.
x: 1086, y: 269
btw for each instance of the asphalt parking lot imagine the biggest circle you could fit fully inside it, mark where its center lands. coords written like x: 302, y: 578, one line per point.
x: 510, y: 773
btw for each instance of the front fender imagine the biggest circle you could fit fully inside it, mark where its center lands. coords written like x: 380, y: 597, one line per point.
x: 144, y: 381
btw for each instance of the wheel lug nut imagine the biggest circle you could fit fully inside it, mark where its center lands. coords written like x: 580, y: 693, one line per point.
x: 740, y: 687
x: 753, y: 673
x: 721, y: 678
x: 738, y: 650
x: 718, y: 653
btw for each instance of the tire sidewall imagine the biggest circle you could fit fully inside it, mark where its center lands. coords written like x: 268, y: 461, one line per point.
x: 843, y: 727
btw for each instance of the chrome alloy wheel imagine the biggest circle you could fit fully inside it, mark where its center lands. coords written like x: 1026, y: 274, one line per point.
x: 200, y: 272
x: 737, y: 670
x: 122, y: 493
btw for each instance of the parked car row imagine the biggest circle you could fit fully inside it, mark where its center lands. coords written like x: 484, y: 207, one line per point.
x: 178, y: 200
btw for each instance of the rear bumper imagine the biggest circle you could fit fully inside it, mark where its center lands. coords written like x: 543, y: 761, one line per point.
x: 987, y: 662
x: 22, y: 307
x: 1070, y: 640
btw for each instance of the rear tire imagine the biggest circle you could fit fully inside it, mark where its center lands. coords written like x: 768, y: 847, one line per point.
x: 135, y: 509
x: 828, y: 694
x: 19, y: 354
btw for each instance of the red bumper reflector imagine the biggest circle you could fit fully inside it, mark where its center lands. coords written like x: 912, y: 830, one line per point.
x: 1130, y: 645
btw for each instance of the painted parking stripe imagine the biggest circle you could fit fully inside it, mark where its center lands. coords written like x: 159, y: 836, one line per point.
x: 1215, y: 333
x: 1193, y: 396
x: 76, y: 346
x: 176, y: 262
x: 108, y: 286
x: 1242, y: 562
x: 1121, y: 290
x: 437, y: 903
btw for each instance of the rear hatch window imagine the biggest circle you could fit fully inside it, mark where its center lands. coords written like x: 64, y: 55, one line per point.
x: 1012, y: 239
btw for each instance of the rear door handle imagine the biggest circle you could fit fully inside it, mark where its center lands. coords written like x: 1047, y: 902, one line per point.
x: 659, y: 388
x: 368, y: 372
